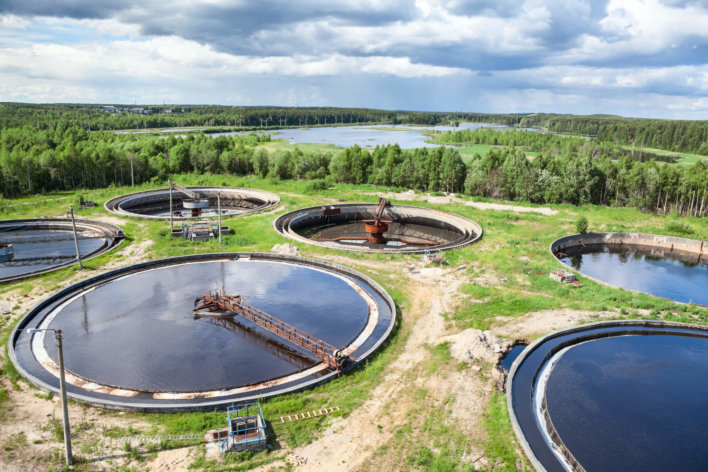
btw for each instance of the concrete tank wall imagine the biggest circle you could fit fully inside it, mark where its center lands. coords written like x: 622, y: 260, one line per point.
x: 469, y: 231
x: 657, y: 245
x: 123, y: 204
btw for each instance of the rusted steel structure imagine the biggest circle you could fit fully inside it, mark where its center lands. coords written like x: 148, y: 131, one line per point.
x: 375, y: 228
x: 378, y: 226
x: 234, y: 305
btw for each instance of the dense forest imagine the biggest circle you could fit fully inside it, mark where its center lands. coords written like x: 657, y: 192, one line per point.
x: 572, y: 170
x: 669, y: 135
x: 549, y: 143
x: 61, y: 147
x: 124, y: 117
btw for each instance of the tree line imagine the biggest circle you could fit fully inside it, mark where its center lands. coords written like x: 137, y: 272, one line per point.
x: 549, y: 143
x: 670, y: 135
x: 34, y: 161
x: 126, y: 117
x: 565, y: 170
x: 584, y: 179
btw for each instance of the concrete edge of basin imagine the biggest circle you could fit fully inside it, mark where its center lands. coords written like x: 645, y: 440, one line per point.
x: 166, y: 406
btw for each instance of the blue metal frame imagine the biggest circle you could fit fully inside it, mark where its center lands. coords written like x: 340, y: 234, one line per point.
x: 239, y: 437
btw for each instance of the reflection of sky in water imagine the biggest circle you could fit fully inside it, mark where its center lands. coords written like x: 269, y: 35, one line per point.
x: 662, y: 277
x: 366, y: 136
x: 138, y: 331
x: 53, y: 249
x: 640, y: 400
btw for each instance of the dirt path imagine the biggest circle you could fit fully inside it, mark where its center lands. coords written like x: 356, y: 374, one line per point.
x: 451, y: 198
x: 350, y: 442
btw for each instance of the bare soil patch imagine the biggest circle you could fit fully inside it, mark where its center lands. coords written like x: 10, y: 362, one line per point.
x: 451, y: 198
x: 534, y: 325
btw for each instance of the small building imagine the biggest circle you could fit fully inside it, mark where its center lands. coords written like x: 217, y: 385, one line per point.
x: 247, y: 428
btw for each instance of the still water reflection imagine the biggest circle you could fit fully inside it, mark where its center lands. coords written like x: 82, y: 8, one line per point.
x: 139, y: 332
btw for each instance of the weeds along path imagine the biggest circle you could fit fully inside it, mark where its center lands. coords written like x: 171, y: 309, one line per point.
x: 349, y: 443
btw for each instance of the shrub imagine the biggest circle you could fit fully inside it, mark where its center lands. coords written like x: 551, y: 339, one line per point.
x: 315, y: 185
x: 581, y: 225
x: 677, y: 226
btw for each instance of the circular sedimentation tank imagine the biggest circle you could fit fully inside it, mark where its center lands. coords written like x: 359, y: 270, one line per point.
x: 132, y: 339
x: 404, y: 229
x: 662, y: 266
x: 30, y: 247
x: 156, y: 203
x: 623, y: 395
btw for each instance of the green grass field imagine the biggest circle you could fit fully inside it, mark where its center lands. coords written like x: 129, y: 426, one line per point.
x: 513, y: 250
x: 683, y: 158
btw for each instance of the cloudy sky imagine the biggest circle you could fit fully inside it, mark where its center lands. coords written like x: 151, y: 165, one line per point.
x: 646, y: 58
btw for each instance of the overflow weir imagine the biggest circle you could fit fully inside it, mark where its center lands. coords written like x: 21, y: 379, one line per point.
x: 379, y: 227
x: 613, y: 396
x: 31, y: 247
x: 133, y: 339
x: 155, y: 204
x: 662, y: 266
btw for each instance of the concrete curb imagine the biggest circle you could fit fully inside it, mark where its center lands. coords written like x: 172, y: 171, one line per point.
x: 113, y: 205
x: 672, y: 244
x: 65, y: 224
x: 591, y: 326
x: 167, y: 406
x: 471, y: 231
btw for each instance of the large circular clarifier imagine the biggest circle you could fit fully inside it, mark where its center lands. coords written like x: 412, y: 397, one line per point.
x: 35, y: 246
x: 131, y: 339
x: 404, y: 229
x: 613, y: 396
x: 663, y: 266
x: 156, y: 203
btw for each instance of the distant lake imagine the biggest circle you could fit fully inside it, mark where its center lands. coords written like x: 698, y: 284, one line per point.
x: 406, y: 136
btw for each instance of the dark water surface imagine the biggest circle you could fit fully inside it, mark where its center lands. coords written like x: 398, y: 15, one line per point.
x: 665, y: 277
x: 50, y: 249
x: 511, y: 356
x: 633, y: 403
x: 139, y: 332
x: 406, y: 231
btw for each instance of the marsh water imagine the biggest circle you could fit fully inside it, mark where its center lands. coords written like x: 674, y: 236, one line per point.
x: 406, y: 136
x: 139, y: 331
x: 680, y: 280
x: 633, y: 402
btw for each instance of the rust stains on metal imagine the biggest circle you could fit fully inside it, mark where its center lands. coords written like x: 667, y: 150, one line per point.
x: 216, y: 301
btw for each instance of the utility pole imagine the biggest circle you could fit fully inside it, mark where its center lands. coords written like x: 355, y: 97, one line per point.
x: 218, y: 209
x: 76, y: 238
x: 170, y: 182
x: 132, y: 179
x: 62, y: 388
x: 65, y: 408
